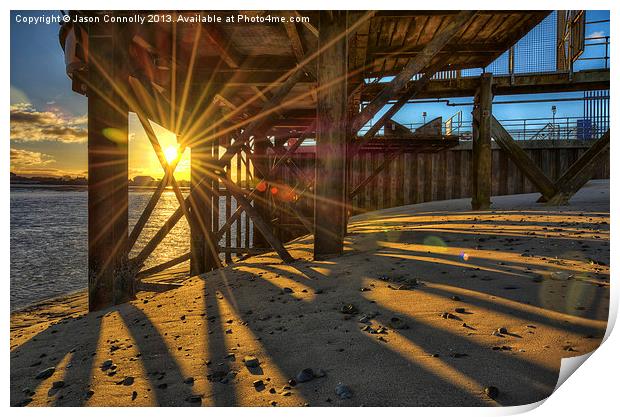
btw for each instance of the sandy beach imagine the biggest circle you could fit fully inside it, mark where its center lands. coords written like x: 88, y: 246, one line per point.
x: 430, y: 305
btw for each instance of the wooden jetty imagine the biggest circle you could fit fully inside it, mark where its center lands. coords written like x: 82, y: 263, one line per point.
x: 261, y: 91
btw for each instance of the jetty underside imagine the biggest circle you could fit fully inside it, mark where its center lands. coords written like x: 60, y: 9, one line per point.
x: 246, y: 98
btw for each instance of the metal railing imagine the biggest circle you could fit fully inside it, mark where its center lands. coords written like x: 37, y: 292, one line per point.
x: 542, y: 128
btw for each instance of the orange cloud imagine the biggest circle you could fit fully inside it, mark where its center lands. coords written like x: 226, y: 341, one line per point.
x: 29, y: 125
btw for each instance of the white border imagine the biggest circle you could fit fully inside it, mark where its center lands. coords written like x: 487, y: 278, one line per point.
x: 592, y: 391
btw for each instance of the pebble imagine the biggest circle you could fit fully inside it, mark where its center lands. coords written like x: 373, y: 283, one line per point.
x: 348, y: 309
x: 251, y: 361
x: 292, y: 382
x: 107, y: 364
x: 502, y: 330
x: 194, y: 399
x: 305, y: 375
x: 134, y: 395
x: 459, y: 310
x: 343, y: 391
x: 46, y: 373
x: 58, y: 384
x: 492, y: 392
x: 398, y: 323
x: 258, y: 383
x: 446, y: 315
x: 189, y: 380
x: 127, y: 381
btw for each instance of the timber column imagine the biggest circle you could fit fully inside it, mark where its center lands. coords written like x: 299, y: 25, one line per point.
x: 204, y: 201
x: 331, y: 142
x: 481, y: 147
x: 261, y: 201
x: 109, y: 279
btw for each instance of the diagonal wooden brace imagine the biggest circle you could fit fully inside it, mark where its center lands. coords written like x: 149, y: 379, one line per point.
x: 579, y: 173
x: 521, y: 159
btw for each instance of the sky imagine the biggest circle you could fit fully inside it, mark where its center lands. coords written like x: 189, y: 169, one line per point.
x: 49, y: 120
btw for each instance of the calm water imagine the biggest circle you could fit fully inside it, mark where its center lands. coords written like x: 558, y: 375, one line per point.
x: 49, y: 239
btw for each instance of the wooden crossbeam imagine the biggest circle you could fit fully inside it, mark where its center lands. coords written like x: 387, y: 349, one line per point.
x: 412, y: 91
x: 392, y: 155
x: 388, y: 159
x: 413, y: 67
x: 291, y: 150
x: 258, y: 221
x: 223, y: 46
x: 521, y: 159
x: 164, y: 265
x: 580, y: 172
x: 259, y: 123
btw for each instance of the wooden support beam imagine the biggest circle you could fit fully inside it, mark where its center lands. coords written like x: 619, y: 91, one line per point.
x: 164, y: 265
x: 331, y: 142
x: 481, y: 146
x: 203, y: 201
x: 258, y: 221
x: 412, y: 91
x: 267, y: 114
x: 389, y: 157
x: 579, y: 173
x: 223, y: 46
x: 109, y: 278
x: 414, y: 66
x: 525, y: 164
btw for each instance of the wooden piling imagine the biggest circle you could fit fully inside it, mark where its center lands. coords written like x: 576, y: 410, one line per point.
x: 204, y: 202
x: 109, y: 278
x: 331, y: 150
x: 482, y: 162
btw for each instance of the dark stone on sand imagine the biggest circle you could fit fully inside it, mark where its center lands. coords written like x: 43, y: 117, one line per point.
x: 189, y: 380
x: 272, y: 390
x: 182, y: 317
x: 107, y: 364
x: 343, y: 391
x: 23, y: 402
x: 348, y: 309
x: 492, y: 392
x: 251, y: 361
x: 292, y: 382
x: 134, y: 395
x: 459, y: 310
x: 502, y: 330
x: 456, y: 298
x: 446, y: 315
x: 46, y: 373
x: 287, y: 290
x: 305, y: 375
x: 58, y: 384
x: 258, y: 383
x: 127, y: 381
x: 194, y: 399
x: 398, y: 323
x: 89, y: 393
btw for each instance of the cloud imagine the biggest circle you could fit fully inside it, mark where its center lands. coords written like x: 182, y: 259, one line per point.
x: 597, y: 34
x: 21, y: 158
x: 30, y: 125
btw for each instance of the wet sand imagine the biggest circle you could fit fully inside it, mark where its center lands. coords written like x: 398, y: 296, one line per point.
x: 408, y: 316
